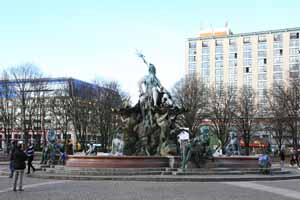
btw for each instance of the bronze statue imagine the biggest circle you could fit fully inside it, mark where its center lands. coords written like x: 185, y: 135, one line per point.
x: 150, y: 127
x: 197, y: 150
x: 233, y: 147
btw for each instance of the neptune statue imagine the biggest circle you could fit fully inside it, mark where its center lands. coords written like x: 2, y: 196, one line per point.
x: 150, y: 127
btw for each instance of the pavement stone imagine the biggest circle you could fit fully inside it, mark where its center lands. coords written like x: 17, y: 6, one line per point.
x: 112, y: 190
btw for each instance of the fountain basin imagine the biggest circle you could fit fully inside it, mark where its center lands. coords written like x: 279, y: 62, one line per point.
x: 236, y: 161
x: 118, y: 161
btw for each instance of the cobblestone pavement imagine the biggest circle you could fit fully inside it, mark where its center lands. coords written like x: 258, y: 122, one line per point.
x: 36, y: 189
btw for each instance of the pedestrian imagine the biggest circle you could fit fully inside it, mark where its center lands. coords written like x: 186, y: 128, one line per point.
x: 69, y: 149
x: 184, y: 140
x: 30, y: 155
x: 62, y: 157
x: 11, y: 158
x: 19, y: 158
x: 294, y: 159
x: 282, y: 157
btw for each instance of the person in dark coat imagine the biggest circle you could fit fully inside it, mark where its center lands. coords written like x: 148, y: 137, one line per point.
x: 30, y: 154
x: 282, y: 157
x: 11, y: 158
x: 19, y: 165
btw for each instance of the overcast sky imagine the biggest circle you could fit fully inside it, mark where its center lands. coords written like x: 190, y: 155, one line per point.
x: 86, y: 39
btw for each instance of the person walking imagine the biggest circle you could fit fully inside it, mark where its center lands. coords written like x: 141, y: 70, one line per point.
x: 30, y: 154
x: 11, y: 158
x: 19, y: 158
x: 282, y: 157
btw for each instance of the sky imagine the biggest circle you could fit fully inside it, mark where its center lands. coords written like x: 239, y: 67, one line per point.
x: 89, y: 39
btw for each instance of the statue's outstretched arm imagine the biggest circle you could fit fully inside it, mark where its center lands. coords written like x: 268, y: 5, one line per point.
x: 139, y: 54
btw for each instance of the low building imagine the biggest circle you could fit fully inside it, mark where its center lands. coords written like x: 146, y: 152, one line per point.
x: 36, y: 97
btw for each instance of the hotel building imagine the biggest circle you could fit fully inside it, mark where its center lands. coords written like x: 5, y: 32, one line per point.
x: 256, y: 59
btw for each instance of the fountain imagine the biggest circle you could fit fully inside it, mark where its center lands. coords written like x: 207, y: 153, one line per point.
x: 150, y: 130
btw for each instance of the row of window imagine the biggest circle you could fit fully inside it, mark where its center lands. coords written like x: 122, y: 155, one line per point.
x: 277, y: 38
x: 234, y: 55
x: 247, y: 55
x: 247, y: 69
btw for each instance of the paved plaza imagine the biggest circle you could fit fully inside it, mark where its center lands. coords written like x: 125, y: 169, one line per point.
x: 36, y: 189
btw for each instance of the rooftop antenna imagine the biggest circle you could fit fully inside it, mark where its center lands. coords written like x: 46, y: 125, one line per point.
x: 211, y: 27
x: 201, y: 26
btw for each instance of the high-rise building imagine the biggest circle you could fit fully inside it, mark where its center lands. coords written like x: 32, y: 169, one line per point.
x: 256, y: 59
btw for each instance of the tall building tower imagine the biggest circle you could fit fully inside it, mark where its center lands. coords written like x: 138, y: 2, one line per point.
x: 257, y: 59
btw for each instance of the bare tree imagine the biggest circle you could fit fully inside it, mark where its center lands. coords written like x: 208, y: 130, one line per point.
x: 289, y: 98
x: 82, y: 101
x: 109, y: 98
x: 25, y: 78
x: 190, y: 93
x: 245, y: 115
x: 7, y: 108
x: 277, y: 115
x: 220, y: 112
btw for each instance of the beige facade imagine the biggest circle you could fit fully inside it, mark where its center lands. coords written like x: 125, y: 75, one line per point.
x: 257, y: 59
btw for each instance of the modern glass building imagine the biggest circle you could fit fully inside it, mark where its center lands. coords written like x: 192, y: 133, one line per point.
x: 40, y: 119
x: 255, y: 59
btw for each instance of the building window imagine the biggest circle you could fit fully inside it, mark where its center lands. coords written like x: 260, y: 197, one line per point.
x: 262, y: 68
x: 192, y: 58
x: 204, y: 43
x: 278, y: 60
x: 219, y: 42
x: 294, y: 59
x: 262, y: 77
x: 262, y: 46
x: 262, y: 38
x: 278, y: 45
x: 219, y: 64
x: 192, y: 51
x: 192, y: 45
x: 219, y: 50
x: 278, y: 37
x: 262, y: 61
x: 247, y: 62
x: 262, y: 54
x: 294, y: 51
x: 278, y: 52
x: 232, y: 49
x: 192, y: 71
x: 247, y: 55
x: 246, y: 39
x: 205, y: 50
x: 205, y: 71
x: 294, y: 67
x: 294, y: 74
x: 232, y: 56
x: 294, y: 43
x: 233, y: 63
x: 232, y: 41
x: 247, y: 70
x: 192, y: 66
x: 219, y: 72
x: 205, y: 58
x: 247, y: 47
x: 294, y: 35
x: 277, y: 68
x: 262, y: 84
x: 219, y: 56
x: 277, y: 76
